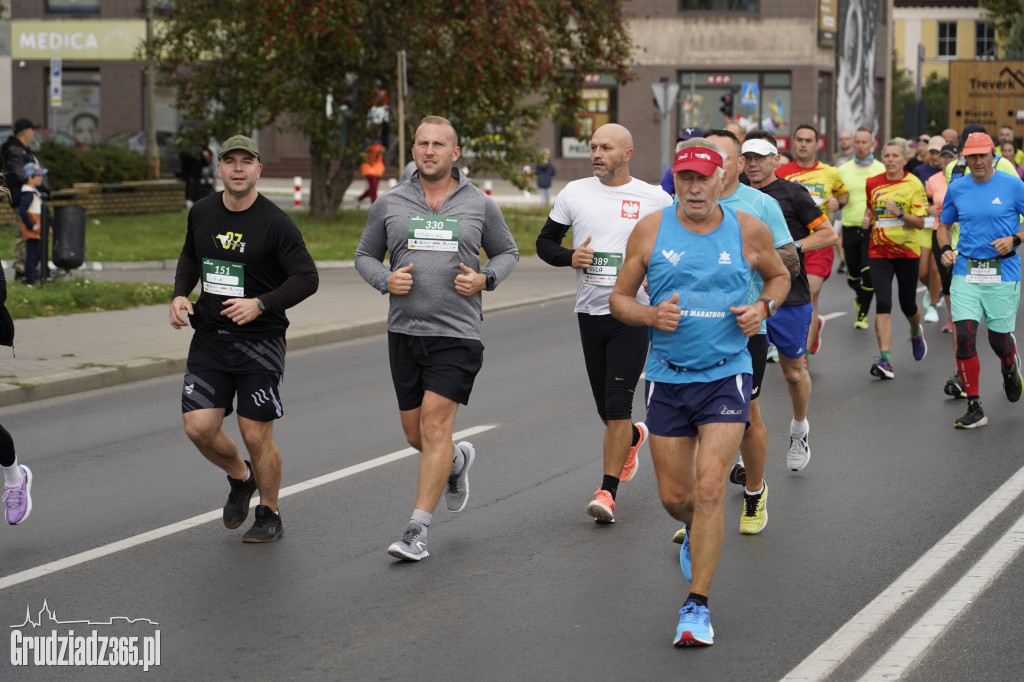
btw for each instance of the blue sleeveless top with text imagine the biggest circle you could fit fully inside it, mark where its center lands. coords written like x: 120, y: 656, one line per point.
x: 710, y: 274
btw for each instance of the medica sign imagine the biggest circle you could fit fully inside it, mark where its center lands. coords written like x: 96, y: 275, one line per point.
x: 79, y: 40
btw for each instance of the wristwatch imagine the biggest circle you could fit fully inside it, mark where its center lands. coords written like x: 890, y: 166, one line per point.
x: 797, y: 244
x: 259, y: 303
x: 1016, y: 241
x: 491, y: 281
x: 769, y: 305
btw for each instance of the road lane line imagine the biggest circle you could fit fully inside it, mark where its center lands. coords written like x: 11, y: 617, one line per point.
x: 157, y: 533
x: 837, y: 648
x: 913, y: 644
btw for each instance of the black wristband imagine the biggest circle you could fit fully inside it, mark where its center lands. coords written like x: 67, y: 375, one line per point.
x: 1016, y: 241
x: 945, y: 248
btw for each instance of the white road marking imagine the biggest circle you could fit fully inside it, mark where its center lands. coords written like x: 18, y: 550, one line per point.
x: 913, y: 644
x: 832, y: 316
x: 149, y: 536
x: 837, y: 648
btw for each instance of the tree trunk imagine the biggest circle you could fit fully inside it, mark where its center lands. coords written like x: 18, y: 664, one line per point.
x: 327, y: 190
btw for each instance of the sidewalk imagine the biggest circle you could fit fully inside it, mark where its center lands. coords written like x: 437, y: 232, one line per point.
x: 68, y: 354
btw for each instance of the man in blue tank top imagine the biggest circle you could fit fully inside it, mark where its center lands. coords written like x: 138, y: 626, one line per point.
x: 698, y: 258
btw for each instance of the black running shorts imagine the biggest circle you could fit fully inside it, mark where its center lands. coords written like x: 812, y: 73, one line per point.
x: 218, y: 369
x: 440, y: 364
x: 615, y: 354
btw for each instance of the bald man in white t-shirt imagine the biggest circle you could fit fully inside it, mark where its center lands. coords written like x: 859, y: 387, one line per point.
x: 602, y: 211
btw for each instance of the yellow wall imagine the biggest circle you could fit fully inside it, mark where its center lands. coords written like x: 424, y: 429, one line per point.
x: 930, y: 37
x: 965, y: 39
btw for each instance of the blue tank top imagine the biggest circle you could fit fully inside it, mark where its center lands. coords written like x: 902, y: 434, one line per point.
x: 710, y: 274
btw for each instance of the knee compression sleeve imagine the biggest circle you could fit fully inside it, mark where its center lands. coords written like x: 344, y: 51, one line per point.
x: 1004, y: 344
x: 966, y: 339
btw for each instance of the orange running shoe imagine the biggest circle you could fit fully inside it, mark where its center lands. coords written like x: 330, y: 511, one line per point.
x: 602, y: 507
x: 632, y: 462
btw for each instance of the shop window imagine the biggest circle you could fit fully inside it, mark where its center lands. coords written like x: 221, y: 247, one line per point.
x: 598, y: 102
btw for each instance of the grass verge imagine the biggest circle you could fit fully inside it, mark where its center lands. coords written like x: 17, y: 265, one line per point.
x: 81, y: 295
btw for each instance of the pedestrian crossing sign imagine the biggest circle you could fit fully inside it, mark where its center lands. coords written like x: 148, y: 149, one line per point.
x: 749, y: 96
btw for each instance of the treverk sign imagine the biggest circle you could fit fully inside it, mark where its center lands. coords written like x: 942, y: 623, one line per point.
x: 989, y: 93
x: 85, y: 40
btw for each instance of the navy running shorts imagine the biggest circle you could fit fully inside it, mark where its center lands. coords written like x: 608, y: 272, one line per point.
x: 788, y: 328
x: 675, y: 410
x: 217, y: 369
x: 445, y: 365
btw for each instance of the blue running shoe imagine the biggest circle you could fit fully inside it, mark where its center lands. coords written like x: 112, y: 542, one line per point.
x: 684, y: 557
x: 694, y: 627
x: 918, y: 346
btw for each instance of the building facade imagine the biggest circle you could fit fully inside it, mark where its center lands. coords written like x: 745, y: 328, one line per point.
x: 932, y: 33
x: 776, y: 61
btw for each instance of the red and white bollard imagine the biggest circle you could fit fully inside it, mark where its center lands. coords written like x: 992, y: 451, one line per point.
x: 488, y: 187
x: 298, y: 191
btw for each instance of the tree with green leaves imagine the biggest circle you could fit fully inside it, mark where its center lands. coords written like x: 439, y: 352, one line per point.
x: 496, y: 68
x: 1009, y: 19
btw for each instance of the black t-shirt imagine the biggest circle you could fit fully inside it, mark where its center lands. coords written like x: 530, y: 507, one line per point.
x: 241, y: 254
x: 801, y: 215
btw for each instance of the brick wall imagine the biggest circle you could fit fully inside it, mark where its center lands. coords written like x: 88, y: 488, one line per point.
x: 126, y: 198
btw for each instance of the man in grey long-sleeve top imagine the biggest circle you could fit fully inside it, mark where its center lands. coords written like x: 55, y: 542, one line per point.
x: 434, y: 226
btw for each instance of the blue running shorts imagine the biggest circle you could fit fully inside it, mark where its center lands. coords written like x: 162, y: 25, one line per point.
x: 788, y: 328
x: 675, y: 410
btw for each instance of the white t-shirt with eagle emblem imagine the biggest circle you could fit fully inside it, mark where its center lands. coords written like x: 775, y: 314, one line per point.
x: 607, y: 215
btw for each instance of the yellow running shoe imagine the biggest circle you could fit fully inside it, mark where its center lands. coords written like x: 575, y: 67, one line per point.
x: 755, y: 512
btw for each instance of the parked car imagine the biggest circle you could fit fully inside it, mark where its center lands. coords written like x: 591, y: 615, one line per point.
x: 58, y: 136
x: 170, y: 162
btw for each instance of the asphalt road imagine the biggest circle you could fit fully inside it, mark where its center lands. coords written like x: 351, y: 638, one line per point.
x: 523, y: 585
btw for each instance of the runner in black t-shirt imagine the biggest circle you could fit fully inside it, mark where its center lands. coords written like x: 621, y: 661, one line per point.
x: 787, y: 329
x: 253, y: 265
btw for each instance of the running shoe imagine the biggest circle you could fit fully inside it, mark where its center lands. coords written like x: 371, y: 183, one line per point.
x: 862, y: 321
x: 18, y: 498
x: 237, y: 507
x: 816, y: 346
x: 919, y: 346
x: 456, y: 493
x: 948, y: 327
x: 738, y: 474
x: 632, y: 461
x: 926, y: 300
x: 412, y: 546
x: 680, y: 536
x: 755, y: 512
x: 974, y: 418
x: 773, y: 354
x: 602, y: 507
x: 842, y: 268
x: 684, y: 555
x: 931, y: 314
x: 267, y: 526
x: 799, y: 451
x: 954, y: 387
x: 694, y: 627
x: 882, y: 369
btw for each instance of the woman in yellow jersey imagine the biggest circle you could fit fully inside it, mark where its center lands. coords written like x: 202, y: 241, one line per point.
x: 897, y: 206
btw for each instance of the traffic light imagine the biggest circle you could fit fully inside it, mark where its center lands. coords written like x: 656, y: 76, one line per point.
x: 726, y: 107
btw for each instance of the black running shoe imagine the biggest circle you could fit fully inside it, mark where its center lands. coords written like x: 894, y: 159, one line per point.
x: 267, y: 526
x: 954, y: 388
x: 1012, y: 384
x: 974, y: 418
x: 237, y: 507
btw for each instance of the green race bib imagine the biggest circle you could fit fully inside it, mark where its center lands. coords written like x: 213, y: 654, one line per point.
x: 984, y: 271
x: 433, y: 233
x: 223, y: 278
x: 605, y: 268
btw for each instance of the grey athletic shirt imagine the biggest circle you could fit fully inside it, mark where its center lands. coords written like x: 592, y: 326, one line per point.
x: 433, y: 307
